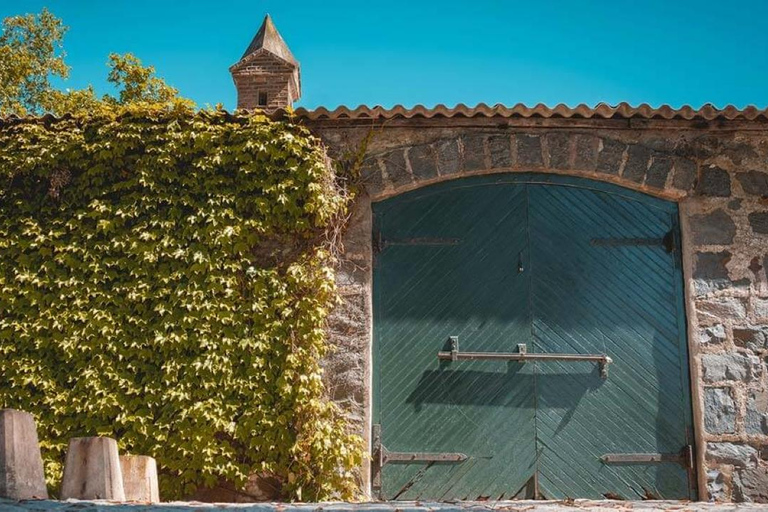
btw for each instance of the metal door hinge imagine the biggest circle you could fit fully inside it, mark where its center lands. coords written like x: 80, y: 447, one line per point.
x: 380, y: 243
x: 667, y: 242
x: 380, y: 457
x: 684, y: 457
x: 377, y: 244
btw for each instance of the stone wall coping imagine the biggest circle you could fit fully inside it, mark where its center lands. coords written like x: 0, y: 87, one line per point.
x: 619, y: 124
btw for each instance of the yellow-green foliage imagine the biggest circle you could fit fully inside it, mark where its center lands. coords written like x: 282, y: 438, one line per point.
x: 164, y: 280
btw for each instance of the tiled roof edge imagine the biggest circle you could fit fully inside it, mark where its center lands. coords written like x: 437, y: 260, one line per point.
x: 707, y: 112
x: 622, y: 110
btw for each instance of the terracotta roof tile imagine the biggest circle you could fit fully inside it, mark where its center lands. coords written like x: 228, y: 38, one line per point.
x: 622, y: 111
x: 602, y: 111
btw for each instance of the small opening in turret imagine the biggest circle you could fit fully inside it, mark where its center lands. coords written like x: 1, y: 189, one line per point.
x: 262, y: 99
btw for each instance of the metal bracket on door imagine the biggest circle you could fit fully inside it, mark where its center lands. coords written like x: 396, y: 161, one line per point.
x: 380, y: 243
x: 685, y: 457
x: 522, y: 355
x: 380, y: 457
x: 667, y: 242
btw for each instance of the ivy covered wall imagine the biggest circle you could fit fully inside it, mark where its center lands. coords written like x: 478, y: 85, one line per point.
x: 165, y: 279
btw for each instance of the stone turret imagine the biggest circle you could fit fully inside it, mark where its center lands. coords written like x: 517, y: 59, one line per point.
x: 267, y: 76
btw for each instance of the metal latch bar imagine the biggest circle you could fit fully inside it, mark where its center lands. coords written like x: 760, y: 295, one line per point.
x: 684, y: 458
x: 522, y: 355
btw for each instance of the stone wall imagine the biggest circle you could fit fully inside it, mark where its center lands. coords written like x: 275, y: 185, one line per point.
x: 719, y: 175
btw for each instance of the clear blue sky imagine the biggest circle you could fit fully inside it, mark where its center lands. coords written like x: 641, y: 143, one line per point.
x: 465, y: 51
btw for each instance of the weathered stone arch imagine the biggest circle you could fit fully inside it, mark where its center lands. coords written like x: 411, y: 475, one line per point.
x: 658, y: 171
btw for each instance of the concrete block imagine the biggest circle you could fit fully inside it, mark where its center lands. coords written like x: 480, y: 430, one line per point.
x: 92, y: 470
x: 21, y: 467
x: 140, y: 478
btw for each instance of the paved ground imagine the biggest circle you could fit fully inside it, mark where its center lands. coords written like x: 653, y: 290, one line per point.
x: 405, y: 506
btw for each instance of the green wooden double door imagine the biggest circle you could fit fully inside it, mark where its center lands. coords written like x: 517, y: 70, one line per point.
x: 559, y: 265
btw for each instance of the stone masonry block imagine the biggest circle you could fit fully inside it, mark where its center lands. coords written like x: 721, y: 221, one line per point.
x: 756, y: 420
x: 610, y: 157
x: 21, y: 467
x: 714, y: 182
x: 473, y: 156
x: 638, y: 158
x: 716, y: 485
x: 661, y: 166
x: 717, y: 309
x: 559, y: 148
x: 729, y: 453
x: 684, y: 173
x: 499, y: 148
x: 719, y: 411
x: 736, y: 367
x: 587, y: 148
x: 423, y: 160
x: 759, y: 222
x: 92, y: 470
x: 760, y: 306
x: 711, y: 273
x: 715, y: 228
x: 140, y: 478
x: 714, y: 335
x: 448, y: 159
x: 529, y: 150
x: 397, y: 170
x: 370, y: 172
x: 754, y: 338
x: 754, y: 183
x: 751, y: 485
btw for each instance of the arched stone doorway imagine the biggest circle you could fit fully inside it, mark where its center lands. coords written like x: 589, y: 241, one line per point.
x: 505, y: 264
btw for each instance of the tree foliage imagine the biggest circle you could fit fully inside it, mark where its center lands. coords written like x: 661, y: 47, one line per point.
x: 31, y: 54
x: 165, y: 279
x: 137, y: 83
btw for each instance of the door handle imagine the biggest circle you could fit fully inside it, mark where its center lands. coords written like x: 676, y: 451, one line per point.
x: 522, y: 355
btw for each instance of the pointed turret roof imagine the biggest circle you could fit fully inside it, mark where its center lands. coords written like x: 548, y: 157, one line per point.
x: 269, y: 39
